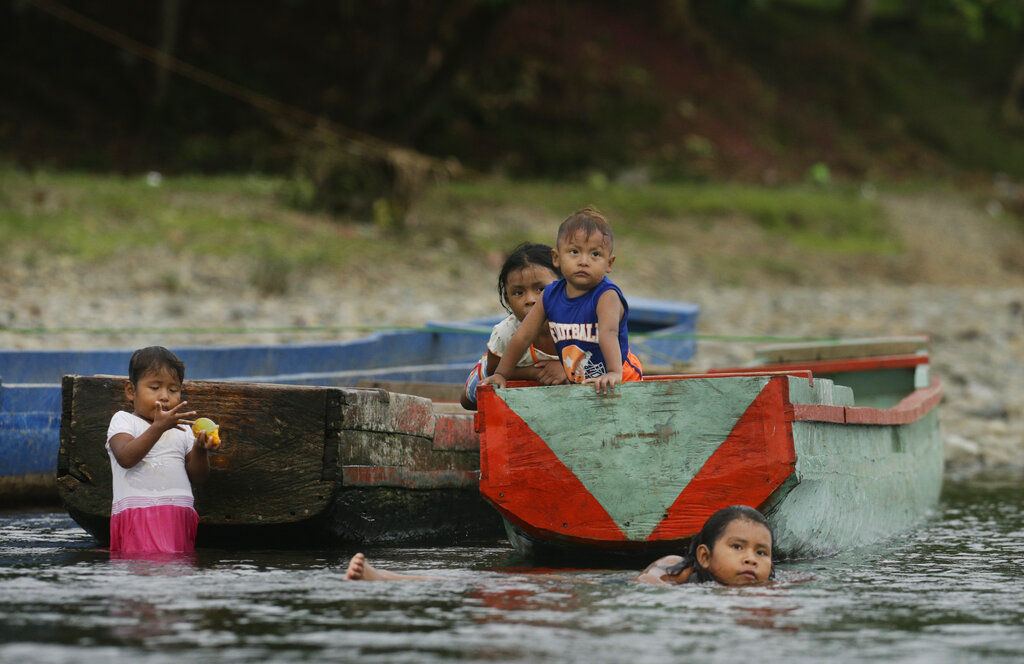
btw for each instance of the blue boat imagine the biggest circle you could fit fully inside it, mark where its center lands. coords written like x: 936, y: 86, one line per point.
x: 440, y: 354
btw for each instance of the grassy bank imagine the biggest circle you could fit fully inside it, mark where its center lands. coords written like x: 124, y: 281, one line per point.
x: 95, y: 218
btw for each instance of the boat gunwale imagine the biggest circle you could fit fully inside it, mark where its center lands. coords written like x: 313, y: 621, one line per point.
x: 910, y: 409
x: 736, y: 373
x: 843, y: 365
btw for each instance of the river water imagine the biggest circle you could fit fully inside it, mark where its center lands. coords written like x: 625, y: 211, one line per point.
x: 950, y: 591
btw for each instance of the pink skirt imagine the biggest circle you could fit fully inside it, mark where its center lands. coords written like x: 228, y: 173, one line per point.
x: 158, y: 529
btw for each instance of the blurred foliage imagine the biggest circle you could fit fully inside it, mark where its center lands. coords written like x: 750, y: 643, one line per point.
x: 760, y: 91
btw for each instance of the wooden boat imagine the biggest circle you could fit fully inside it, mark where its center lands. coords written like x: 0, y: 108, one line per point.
x: 298, y: 465
x: 433, y: 362
x: 837, y: 444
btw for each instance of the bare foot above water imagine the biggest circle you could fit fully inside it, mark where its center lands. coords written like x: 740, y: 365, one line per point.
x: 360, y: 569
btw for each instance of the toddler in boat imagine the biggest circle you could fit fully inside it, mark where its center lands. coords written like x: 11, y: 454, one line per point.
x: 154, y: 459
x: 521, y: 282
x: 584, y: 312
x: 733, y: 548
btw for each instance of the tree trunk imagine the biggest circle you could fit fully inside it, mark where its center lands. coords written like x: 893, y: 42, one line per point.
x: 677, y: 16
x: 860, y: 13
x: 469, y: 39
x: 1013, y: 106
x: 170, y: 13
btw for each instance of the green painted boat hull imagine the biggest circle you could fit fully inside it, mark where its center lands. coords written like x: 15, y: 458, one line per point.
x: 638, y: 471
x: 856, y: 484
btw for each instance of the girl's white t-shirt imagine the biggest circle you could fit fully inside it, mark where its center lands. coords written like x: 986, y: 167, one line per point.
x: 160, y: 478
x: 502, y: 333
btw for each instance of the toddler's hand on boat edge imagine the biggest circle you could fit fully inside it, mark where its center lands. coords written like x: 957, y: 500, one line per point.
x: 496, y: 380
x: 605, y: 384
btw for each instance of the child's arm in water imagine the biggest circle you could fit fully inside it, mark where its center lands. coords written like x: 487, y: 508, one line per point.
x: 657, y: 572
x: 130, y: 451
x: 528, y: 330
x: 609, y: 315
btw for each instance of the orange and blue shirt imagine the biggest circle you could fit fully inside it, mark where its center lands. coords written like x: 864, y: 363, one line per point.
x: 574, y: 329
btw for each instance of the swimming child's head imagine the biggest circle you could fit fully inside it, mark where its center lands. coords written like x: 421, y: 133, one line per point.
x: 527, y: 270
x: 586, y: 221
x: 734, y: 547
x: 155, y: 376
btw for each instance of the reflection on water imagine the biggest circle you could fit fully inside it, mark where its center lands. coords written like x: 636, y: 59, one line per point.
x: 949, y: 591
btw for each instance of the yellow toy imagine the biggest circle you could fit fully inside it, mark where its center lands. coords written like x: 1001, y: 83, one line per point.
x: 211, y: 428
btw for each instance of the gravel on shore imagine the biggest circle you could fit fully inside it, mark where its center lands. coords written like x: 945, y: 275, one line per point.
x: 966, y: 293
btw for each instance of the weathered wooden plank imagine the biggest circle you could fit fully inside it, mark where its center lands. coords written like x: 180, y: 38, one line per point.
x: 819, y: 413
x: 271, y: 469
x: 409, y: 478
x: 387, y: 412
x: 83, y: 471
x: 268, y: 470
x: 442, y: 392
x: 456, y: 432
x: 845, y: 349
x: 384, y: 515
x: 376, y: 449
x: 837, y: 366
x: 294, y: 461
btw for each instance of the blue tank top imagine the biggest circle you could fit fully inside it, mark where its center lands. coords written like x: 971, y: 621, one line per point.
x: 573, y: 324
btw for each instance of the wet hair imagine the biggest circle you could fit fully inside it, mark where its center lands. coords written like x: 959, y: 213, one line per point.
x: 588, y: 220
x: 709, y: 535
x: 523, y: 256
x: 154, y: 358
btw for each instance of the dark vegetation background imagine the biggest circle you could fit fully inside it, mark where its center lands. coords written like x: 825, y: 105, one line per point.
x: 752, y: 91
x: 800, y: 169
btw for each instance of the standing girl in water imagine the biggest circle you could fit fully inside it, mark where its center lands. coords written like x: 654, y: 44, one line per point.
x: 154, y: 459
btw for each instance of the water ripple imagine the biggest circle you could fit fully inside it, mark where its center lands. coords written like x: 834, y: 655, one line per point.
x: 948, y: 591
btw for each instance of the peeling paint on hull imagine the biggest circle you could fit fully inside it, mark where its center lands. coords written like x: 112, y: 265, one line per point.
x: 641, y: 470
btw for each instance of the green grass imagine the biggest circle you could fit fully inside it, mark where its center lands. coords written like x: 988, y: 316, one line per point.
x: 96, y: 218
x: 832, y: 219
